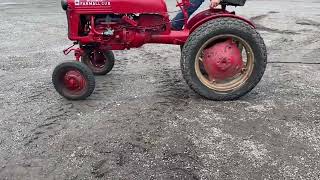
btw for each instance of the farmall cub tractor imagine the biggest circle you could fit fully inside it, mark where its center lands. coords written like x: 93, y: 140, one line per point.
x: 223, y: 56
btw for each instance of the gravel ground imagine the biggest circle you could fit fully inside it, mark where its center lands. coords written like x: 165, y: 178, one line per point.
x: 143, y: 121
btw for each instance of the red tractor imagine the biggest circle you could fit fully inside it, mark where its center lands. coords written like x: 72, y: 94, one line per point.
x: 223, y: 56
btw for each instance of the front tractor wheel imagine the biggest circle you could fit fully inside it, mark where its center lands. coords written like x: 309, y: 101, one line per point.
x: 224, y: 59
x: 101, y: 63
x: 73, y: 80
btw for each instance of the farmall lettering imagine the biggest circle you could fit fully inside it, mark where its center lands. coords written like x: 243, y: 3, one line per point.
x: 92, y: 3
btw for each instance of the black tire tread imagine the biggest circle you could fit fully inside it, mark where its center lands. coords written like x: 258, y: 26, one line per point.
x: 110, y: 56
x: 86, y: 71
x: 212, y: 27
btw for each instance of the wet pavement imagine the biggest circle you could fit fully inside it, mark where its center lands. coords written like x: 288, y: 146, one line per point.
x: 143, y: 121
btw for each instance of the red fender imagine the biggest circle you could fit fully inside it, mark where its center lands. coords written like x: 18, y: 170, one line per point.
x: 210, y: 14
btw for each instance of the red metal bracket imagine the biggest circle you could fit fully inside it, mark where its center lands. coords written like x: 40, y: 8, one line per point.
x: 69, y: 49
x: 78, y: 52
x: 130, y: 21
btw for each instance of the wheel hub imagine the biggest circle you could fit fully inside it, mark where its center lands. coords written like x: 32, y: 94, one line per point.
x: 222, y: 60
x: 74, y: 81
x: 98, y: 58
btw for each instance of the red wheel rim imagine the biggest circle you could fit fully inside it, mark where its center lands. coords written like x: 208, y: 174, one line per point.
x: 74, y: 82
x: 234, y: 82
x: 97, y: 59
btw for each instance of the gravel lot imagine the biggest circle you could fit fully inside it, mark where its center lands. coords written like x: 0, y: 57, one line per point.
x: 143, y: 121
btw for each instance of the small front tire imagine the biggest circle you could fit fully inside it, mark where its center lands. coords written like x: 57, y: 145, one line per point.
x: 73, y: 80
x: 101, y: 63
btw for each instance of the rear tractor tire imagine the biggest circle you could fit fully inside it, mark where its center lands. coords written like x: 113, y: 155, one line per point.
x: 252, y: 52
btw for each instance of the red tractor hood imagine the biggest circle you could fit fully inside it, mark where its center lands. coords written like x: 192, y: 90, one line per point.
x: 118, y: 6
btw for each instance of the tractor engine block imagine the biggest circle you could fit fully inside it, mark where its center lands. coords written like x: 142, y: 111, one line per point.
x: 121, y: 31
